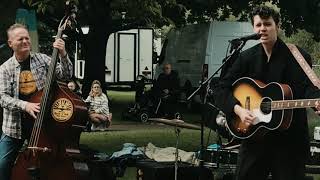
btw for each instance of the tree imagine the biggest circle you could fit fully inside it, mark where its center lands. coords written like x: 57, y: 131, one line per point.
x: 6, y: 21
x: 104, y: 18
x: 307, y: 42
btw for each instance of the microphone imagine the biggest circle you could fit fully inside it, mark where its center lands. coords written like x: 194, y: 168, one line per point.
x: 255, y: 36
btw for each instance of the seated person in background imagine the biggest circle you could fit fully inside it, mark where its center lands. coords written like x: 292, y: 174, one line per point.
x: 167, y: 88
x: 74, y: 88
x: 99, y: 113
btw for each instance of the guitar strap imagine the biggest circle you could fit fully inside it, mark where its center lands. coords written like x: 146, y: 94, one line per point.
x: 304, y: 65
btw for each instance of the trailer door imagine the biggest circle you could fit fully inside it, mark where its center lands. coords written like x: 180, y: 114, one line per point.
x: 145, y: 53
x: 126, y: 57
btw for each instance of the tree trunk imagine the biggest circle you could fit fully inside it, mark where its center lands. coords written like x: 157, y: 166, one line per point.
x: 95, y: 46
x: 8, y: 10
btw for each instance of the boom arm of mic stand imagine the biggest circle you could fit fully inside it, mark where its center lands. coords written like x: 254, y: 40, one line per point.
x: 234, y: 53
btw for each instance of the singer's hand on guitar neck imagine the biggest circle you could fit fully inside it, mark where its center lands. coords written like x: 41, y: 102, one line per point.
x: 33, y: 109
x: 245, y: 115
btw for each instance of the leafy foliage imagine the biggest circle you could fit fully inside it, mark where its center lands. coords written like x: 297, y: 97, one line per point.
x: 42, y: 6
x: 306, y: 41
x: 107, y: 16
x: 158, y: 13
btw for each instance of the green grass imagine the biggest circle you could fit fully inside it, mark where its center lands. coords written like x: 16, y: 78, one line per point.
x: 164, y: 136
x: 121, y: 97
x: 111, y: 141
x: 119, y: 101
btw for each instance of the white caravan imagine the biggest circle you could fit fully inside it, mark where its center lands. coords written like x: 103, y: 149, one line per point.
x: 129, y: 54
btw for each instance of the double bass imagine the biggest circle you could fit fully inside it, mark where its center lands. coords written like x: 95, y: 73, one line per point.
x: 53, y: 149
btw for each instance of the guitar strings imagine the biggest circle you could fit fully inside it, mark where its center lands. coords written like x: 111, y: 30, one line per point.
x: 35, y: 135
x: 289, y: 105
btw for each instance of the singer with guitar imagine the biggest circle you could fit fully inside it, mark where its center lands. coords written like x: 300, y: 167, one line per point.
x: 21, y: 76
x: 253, y: 94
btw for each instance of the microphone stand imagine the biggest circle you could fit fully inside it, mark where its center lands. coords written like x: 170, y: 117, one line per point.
x: 204, y: 86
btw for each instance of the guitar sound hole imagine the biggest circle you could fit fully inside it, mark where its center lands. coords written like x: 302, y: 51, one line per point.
x: 265, y: 105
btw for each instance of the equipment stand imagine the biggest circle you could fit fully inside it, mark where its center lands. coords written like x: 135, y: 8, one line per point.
x: 177, y: 131
x: 204, y: 86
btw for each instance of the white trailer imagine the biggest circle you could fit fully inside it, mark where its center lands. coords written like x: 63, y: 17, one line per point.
x: 129, y: 54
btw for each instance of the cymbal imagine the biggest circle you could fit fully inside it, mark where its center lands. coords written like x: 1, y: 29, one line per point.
x: 176, y: 123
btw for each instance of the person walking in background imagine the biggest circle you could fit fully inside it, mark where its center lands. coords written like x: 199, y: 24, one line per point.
x: 99, y: 114
x: 21, y: 76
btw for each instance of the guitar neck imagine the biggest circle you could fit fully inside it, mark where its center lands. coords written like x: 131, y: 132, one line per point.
x: 294, y: 104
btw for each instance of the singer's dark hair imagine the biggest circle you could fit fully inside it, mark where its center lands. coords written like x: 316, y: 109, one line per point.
x: 265, y: 12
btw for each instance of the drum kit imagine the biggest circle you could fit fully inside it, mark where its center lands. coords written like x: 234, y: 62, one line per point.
x: 214, y: 158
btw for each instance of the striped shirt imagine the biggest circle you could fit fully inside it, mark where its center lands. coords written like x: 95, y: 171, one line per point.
x: 9, y: 87
x: 98, y: 104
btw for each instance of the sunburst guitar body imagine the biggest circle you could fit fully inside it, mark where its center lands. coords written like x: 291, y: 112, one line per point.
x: 272, y: 104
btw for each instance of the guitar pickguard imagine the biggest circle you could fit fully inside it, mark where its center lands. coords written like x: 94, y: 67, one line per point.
x: 261, y: 117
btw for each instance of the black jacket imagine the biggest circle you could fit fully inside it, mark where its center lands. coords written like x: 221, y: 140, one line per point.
x: 170, y: 82
x: 282, y: 68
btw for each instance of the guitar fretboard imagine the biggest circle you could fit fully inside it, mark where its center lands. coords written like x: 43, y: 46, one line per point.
x: 293, y: 104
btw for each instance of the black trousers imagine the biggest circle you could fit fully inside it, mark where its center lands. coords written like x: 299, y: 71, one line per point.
x: 168, y: 107
x: 257, y: 162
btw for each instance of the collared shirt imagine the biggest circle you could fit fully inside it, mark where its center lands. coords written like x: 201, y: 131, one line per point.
x: 98, y: 104
x: 9, y: 87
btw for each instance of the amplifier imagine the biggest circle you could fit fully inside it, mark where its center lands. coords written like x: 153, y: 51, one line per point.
x: 152, y: 170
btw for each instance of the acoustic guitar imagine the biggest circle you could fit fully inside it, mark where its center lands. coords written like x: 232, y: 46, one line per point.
x: 272, y: 104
